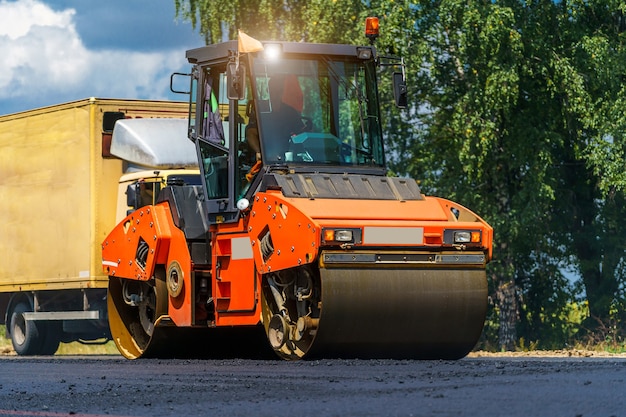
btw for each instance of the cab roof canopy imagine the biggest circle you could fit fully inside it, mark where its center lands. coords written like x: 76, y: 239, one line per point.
x: 221, y: 51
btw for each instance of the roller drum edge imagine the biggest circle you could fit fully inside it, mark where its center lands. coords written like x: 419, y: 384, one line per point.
x: 167, y: 341
x: 400, y: 313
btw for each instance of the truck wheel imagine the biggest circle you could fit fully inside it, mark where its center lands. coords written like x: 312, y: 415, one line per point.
x: 51, y: 332
x: 25, y: 335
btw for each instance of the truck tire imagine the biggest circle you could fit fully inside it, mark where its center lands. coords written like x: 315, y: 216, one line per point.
x: 25, y: 335
x: 51, y: 332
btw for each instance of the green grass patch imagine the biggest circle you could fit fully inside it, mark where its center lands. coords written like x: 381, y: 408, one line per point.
x: 76, y: 348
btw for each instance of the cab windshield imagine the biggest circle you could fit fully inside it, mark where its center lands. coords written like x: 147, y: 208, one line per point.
x: 320, y: 111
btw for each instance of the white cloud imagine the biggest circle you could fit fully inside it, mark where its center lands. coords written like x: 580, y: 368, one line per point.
x: 18, y: 17
x: 44, y: 57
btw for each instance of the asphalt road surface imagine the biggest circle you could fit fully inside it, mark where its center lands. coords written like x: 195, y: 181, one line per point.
x: 112, y: 386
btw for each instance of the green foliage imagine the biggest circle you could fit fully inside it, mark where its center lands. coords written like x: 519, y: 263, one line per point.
x: 289, y: 20
x: 516, y: 111
x: 5, y: 344
x: 521, y: 120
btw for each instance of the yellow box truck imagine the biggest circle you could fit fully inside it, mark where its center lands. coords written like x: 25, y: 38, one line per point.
x: 68, y: 174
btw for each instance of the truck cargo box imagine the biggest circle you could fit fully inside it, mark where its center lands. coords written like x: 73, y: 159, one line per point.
x: 59, y: 189
x: 57, y: 192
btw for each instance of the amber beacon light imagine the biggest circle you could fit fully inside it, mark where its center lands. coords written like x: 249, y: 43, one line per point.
x: 371, y: 28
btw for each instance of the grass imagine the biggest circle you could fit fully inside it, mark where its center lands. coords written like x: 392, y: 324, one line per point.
x: 609, y: 347
x: 76, y: 348
x: 5, y: 344
x: 109, y: 348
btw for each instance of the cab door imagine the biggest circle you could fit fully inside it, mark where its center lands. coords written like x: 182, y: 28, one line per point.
x: 224, y: 160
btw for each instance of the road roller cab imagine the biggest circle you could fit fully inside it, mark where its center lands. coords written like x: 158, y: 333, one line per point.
x: 297, y: 241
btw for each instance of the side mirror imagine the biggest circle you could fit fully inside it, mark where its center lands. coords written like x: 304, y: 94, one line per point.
x: 400, y: 92
x: 109, y: 118
x: 236, y: 81
x: 108, y: 123
x: 132, y: 196
x: 179, y: 82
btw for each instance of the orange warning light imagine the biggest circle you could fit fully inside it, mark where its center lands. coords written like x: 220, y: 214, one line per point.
x: 371, y: 28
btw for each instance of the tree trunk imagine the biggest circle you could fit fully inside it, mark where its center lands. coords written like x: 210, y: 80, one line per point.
x: 506, y: 298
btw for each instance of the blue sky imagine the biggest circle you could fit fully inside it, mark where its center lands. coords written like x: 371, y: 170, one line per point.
x: 55, y: 51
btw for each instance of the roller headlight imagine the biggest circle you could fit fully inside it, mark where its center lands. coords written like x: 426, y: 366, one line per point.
x: 340, y: 236
x: 462, y: 237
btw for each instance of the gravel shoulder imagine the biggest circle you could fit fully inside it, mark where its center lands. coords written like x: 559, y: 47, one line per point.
x: 573, y: 353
